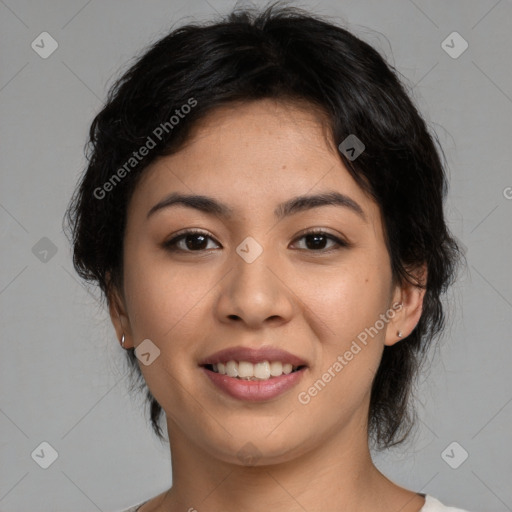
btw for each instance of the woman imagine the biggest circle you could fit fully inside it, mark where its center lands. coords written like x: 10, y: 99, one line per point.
x: 263, y: 211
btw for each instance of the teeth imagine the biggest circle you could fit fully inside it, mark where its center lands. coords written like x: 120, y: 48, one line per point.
x: 245, y: 369
x: 276, y: 368
x: 262, y: 370
x: 232, y: 369
x: 248, y: 371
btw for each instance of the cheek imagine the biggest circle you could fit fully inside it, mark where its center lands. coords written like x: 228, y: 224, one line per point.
x: 160, y: 297
x: 347, y: 306
x: 347, y: 299
x: 166, y: 306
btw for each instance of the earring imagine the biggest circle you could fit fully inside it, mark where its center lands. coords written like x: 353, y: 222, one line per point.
x: 122, y: 341
x: 399, y: 334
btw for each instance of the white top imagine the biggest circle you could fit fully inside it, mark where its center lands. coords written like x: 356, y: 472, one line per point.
x: 431, y: 505
x: 434, y: 505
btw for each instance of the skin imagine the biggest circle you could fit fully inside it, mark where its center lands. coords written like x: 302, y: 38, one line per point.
x: 310, y: 301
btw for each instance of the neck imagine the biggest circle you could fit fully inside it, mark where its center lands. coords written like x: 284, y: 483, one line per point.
x: 337, y: 474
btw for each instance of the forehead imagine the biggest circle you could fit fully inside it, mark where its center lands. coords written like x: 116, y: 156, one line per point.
x: 253, y: 156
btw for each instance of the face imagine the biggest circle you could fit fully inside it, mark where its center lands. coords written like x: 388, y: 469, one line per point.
x: 254, y: 279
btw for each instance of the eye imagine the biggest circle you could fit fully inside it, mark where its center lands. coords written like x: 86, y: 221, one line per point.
x: 195, y: 241
x: 317, y: 239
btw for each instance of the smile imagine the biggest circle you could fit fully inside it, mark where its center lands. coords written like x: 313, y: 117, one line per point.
x: 263, y: 370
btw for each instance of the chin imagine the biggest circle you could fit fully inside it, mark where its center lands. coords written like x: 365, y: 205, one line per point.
x: 257, y: 450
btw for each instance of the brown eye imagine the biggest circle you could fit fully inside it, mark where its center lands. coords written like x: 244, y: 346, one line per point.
x: 317, y: 239
x: 189, y: 241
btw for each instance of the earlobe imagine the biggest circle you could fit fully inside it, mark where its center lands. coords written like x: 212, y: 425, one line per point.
x: 395, y: 329
x: 118, y: 315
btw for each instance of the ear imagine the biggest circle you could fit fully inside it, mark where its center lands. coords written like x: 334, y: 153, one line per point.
x: 407, y: 315
x: 118, y: 314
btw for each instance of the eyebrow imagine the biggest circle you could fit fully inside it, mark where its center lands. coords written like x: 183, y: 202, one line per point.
x: 212, y: 206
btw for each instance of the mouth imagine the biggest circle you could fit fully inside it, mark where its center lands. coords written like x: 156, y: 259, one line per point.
x: 247, y: 363
x: 253, y: 375
x: 250, y: 388
x: 244, y: 370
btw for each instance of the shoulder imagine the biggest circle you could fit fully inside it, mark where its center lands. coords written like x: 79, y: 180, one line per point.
x: 434, y: 505
x: 135, y: 508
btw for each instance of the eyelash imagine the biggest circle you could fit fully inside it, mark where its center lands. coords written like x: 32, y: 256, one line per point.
x: 171, y: 244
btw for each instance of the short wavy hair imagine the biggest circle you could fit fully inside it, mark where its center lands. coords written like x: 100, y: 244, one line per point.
x: 287, y: 54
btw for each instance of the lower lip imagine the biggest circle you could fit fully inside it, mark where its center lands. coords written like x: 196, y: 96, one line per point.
x: 253, y: 390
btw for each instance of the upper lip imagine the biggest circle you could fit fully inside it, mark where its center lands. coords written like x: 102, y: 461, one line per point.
x: 253, y: 355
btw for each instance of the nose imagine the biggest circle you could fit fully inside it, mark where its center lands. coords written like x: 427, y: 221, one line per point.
x: 256, y: 292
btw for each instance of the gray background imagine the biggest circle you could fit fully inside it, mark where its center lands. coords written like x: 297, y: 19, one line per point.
x: 63, y: 376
